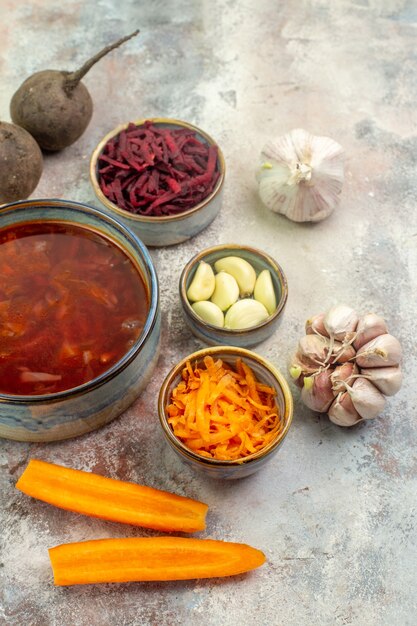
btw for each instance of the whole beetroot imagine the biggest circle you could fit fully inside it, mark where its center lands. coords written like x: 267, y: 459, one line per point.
x: 54, y: 106
x: 21, y: 163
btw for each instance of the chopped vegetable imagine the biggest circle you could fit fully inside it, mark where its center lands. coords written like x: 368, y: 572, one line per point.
x: 91, y: 494
x: 150, y: 558
x: 153, y: 170
x: 221, y: 413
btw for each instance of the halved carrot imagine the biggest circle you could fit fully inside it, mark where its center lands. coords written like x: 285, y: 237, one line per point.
x: 115, y: 500
x: 150, y: 558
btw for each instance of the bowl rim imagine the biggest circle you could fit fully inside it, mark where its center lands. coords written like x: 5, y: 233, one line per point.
x: 230, y: 351
x: 230, y: 332
x: 163, y: 218
x: 151, y: 318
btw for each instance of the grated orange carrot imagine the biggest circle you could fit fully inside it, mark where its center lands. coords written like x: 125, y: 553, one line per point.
x: 221, y: 413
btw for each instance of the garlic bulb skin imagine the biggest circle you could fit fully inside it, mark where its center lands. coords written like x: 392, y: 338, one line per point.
x: 339, y: 320
x: 301, y: 366
x: 366, y: 398
x: 319, y: 395
x: 387, y: 379
x: 313, y: 349
x: 301, y: 176
x: 369, y: 326
x: 315, y: 325
x: 341, y: 352
x: 341, y: 374
x: 352, y: 356
x: 342, y: 412
x: 383, y: 351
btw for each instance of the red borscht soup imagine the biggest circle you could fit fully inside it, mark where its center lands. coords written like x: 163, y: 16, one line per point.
x: 72, y: 303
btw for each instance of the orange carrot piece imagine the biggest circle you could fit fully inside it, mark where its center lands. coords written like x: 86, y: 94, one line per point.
x: 150, y: 558
x: 250, y: 379
x: 201, y: 421
x: 107, y: 498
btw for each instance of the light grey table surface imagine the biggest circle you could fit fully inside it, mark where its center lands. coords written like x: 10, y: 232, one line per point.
x: 335, y: 511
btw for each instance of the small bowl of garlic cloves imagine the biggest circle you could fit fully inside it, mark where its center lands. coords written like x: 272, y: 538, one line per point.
x: 346, y: 364
x: 233, y: 295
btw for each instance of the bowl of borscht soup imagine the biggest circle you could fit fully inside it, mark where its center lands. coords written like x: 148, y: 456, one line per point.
x: 79, y: 319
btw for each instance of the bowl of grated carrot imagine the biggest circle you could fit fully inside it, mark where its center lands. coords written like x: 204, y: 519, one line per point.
x: 162, y: 177
x: 225, y: 411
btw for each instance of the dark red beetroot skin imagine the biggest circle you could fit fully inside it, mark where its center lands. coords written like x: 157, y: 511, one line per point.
x: 55, y: 117
x: 21, y: 163
x: 154, y: 171
x: 55, y: 107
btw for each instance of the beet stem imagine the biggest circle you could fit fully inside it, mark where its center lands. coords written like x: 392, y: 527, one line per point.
x: 73, y: 78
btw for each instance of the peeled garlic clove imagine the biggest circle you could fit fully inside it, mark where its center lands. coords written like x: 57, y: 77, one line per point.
x: 387, y: 379
x: 342, y: 412
x: 366, y: 398
x: 342, y: 374
x: 245, y: 314
x: 242, y: 272
x: 339, y: 320
x: 226, y: 290
x: 301, y: 176
x: 318, y: 396
x: 264, y: 291
x: 209, y: 312
x: 203, y: 283
x: 369, y: 327
x: 383, y: 351
x: 313, y: 349
x: 315, y: 325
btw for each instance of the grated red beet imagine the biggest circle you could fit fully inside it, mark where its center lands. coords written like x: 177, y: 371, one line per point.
x: 153, y: 170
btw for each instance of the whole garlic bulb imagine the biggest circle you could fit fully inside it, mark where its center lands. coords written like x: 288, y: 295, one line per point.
x: 350, y: 385
x: 301, y: 176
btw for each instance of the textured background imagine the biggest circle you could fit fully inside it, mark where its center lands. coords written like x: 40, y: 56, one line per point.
x: 335, y: 510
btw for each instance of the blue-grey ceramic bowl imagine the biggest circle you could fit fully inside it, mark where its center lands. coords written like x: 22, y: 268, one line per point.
x: 213, y: 335
x: 264, y: 372
x: 69, y: 413
x: 170, y: 229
